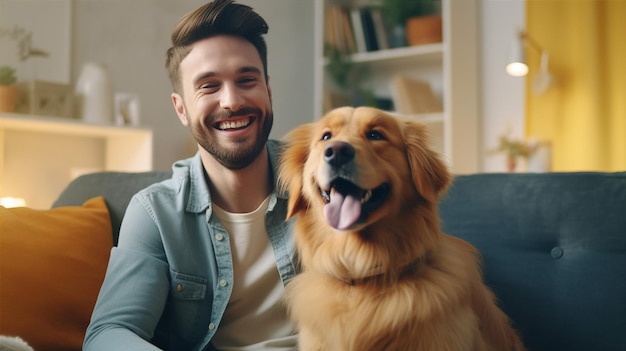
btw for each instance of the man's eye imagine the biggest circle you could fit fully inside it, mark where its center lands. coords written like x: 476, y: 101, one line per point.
x: 209, y: 86
x: 327, y: 136
x: 247, y: 80
x: 374, y: 135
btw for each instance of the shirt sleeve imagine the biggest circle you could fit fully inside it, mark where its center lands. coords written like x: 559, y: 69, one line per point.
x: 135, y: 288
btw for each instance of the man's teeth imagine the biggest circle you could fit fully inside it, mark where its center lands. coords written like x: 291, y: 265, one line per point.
x: 233, y: 124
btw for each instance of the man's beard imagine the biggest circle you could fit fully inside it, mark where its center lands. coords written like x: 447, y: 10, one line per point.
x: 243, y: 156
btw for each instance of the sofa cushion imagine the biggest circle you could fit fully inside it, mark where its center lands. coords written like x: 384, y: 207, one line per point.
x: 116, y: 187
x: 52, y: 263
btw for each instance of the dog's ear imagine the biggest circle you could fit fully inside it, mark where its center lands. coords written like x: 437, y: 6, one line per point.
x: 429, y: 173
x: 293, y: 157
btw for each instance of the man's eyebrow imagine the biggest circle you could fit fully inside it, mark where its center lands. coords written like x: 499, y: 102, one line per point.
x: 249, y: 69
x: 203, y: 76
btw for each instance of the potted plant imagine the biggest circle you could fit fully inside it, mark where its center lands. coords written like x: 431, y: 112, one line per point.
x: 418, y: 20
x: 348, y: 77
x: 8, y: 90
x: 515, y: 150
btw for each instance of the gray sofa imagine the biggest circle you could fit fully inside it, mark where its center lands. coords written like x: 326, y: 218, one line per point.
x: 554, y: 247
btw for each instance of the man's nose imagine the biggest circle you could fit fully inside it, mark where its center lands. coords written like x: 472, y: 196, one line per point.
x: 231, y: 97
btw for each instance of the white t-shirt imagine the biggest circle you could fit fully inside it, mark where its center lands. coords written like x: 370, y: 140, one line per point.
x: 256, y: 317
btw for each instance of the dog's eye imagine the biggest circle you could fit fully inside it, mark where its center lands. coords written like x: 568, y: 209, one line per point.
x: 327, y: 136
x: 374, y: 135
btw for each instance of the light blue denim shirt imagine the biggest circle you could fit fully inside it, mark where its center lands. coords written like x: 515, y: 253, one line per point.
x: 170, y: 278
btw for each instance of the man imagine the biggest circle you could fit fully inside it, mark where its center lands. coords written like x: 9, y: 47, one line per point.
x: 203, y: 257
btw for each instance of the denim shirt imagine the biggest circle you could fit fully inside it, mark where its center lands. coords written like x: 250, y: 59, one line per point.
x: 170, y: 278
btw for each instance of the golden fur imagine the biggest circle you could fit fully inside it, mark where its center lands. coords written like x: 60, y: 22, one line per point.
x: 390, y: 280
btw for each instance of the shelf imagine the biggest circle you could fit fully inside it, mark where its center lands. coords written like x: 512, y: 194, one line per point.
x: 40, y: 155
x: 415, y: 54
x: 59, y: 125
x: 429, y: 118
x: 426, y: 118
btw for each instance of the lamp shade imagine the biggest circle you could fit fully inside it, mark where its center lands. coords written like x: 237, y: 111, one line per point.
x: 516, y: 65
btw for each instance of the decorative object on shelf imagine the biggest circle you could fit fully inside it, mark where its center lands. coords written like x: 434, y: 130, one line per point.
x: 127, y: 109
x: 515, y: 150
x: 517, y: 66
x: 535, y: 154
x: 94, y: 94
x: 24, y: 39
x: 540, y: 159
x: 424, y: 30
x: 43, y: 98
x: 8, y: 90
x: 26, y: 53
x: 413, y: 96
x: 348, y: 78
x: 420, y: 20
x: 41, y: 28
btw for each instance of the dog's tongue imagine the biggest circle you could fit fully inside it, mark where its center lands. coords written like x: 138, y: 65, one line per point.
x: 343, y: 210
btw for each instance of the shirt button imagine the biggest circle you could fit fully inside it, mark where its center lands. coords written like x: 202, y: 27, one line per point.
x: 223, y: 282
x: 211, y: 326
x: 219, y: 237
x: 556, y: 252
x: 179, y: 287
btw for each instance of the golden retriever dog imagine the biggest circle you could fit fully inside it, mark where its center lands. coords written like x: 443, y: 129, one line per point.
x: 377, y: 272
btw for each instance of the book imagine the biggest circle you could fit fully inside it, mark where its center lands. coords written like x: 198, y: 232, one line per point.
x: 338, y: 29
x: 348, y: 33
x: 357, y: 28
x: 368, y: 29
x: 379, y: 29
x: 412, y: 96
x: 329, y: 30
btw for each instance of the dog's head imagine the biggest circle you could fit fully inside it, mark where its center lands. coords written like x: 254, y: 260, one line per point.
x: 359, y: 165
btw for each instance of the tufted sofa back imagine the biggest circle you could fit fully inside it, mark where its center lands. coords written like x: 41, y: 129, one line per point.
x: 554, y: 249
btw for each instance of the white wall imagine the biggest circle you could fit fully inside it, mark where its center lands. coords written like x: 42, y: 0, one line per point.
x: 131, y: 38
x: 503, y: 96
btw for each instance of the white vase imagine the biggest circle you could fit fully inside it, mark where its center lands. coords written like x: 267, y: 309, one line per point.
x: 94, y: 94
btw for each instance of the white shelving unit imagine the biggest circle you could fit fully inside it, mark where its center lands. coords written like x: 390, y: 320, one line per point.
x: 450, y: 67
x: 40, y: 155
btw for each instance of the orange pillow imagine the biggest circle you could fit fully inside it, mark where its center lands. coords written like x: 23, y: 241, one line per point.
x: 52, y: 263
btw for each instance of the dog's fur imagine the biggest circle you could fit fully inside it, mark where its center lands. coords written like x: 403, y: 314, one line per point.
x: 13, y: 343
x: 389, y: 279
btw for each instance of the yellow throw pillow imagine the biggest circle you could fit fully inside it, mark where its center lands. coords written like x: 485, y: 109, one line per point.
x: 52, y: 263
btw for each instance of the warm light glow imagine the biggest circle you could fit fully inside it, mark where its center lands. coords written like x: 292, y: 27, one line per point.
x: 517, y: 69
x: 12, y: 202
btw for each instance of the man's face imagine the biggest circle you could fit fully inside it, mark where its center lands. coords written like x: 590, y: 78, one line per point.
x: 226, y: 101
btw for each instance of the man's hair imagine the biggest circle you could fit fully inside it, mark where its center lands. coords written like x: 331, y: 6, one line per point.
x: 220, y: 17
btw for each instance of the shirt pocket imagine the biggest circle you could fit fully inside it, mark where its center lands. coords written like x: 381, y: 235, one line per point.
x: 185, y: 316
x: 187, y: 287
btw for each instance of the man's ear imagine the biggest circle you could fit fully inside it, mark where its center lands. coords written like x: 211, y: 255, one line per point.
x: 179, y: 107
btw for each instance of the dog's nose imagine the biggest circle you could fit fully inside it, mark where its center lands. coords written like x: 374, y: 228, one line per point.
x: 338, y: 153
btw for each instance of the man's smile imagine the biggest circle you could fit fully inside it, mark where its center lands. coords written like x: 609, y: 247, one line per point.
x: 233, y: 124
